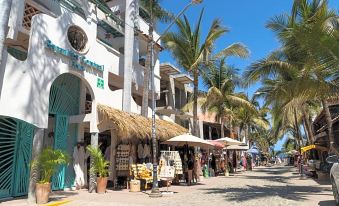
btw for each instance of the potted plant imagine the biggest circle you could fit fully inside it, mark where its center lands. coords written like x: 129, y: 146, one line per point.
x: 46, y: 164
x: 99, y: 167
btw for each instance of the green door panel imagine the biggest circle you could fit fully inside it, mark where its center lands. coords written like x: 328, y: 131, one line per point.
x: 60, y: 142
x: 71, y: 142
x: 16, y: 139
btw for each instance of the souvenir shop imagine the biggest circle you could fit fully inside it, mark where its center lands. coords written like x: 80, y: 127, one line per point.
x: 128, y: 146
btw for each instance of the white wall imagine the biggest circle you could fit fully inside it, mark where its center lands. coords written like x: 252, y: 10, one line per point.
x: 25, y: 85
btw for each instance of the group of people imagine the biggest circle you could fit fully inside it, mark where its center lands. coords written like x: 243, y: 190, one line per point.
x: 193, y: 169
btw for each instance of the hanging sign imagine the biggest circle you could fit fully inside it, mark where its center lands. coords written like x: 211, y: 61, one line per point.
x: 77, y: 61
x: 167, y: 172
x: 100, y: 83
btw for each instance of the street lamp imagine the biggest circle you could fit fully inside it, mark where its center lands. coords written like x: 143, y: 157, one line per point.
x: 155, y: 188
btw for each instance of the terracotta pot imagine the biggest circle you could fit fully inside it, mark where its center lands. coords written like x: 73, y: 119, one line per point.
x: 101, y: 184
x: 42, y: 192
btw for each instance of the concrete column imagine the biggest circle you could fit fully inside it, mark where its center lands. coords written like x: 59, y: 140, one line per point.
x: 82, y: 100
x: 201, y: 129
x: 210, y: 132
x: 93, y: 176
x: 82, y: 107
x: 128, y: 55
x: 34, y: 175
x: 80, y: 133
x: 171, y: 92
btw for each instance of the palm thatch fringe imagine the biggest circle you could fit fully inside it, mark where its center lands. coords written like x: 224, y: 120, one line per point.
x: 131, y: 125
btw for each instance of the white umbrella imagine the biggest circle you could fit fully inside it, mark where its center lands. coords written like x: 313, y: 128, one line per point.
x: 228, y: 142
x: 190, y: 140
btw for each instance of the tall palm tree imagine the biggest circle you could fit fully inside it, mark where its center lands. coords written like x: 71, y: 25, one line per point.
x: 250, y: 120
x: 221, y: 98
x: 192, y: 53
x: 4, y: 17
x: 306, y: 64
x: 156, y: 14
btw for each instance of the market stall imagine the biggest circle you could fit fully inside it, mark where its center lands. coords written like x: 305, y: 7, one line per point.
x: 130, y: 149
x: 228, y: 142
x: 314, y: 163
x: 190, y: 161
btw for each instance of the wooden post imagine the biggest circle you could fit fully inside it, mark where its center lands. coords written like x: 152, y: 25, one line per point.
x: 114, y: 144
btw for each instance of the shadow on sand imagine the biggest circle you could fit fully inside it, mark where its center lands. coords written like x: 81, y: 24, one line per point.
x: 327, y: 203
x: 250, y: 192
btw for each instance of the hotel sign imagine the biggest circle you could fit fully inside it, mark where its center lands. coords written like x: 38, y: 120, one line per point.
x: 77, y: 61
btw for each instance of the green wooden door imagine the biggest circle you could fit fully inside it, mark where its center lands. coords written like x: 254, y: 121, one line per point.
x: 63, y: 102
x: 7, y: 156
x: 71, y: 143
x: 16, y: 138
x: 60, y: 142
x: 25, y: 134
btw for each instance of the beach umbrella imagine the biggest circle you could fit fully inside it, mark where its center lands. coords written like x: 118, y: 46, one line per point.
x: 190, y: 140
x: 253, y: 150
x: 228, y: 141
x: 217, y: 145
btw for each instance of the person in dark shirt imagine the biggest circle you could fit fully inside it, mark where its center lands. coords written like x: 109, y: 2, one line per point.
x: 190, y: 165
x: 213, y: 163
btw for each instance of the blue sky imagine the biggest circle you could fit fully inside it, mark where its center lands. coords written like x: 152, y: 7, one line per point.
x: 246, y: 21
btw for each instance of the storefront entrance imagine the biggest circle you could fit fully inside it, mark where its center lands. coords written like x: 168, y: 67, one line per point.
x: 16, y: 138
x: 64, y: 101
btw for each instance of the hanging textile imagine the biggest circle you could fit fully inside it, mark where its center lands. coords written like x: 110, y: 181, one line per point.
x: 147, y: 151
x: 140, y: 151
x: 79, y: 166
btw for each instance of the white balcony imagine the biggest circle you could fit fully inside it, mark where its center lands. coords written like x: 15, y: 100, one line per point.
x: 144, y: 28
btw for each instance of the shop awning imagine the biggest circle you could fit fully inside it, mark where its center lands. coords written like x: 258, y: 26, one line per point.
x: 309, y: 147
x: 131, y: 126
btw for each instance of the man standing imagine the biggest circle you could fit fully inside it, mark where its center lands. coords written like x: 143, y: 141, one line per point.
x: 79, y: 165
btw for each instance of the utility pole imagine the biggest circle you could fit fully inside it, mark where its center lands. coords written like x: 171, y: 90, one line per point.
x: 155, y: 188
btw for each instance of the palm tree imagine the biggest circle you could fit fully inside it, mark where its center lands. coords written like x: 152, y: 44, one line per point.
x: 192, y: 53
x: 252, y: 121
x: 6, y: 10
x: 156, y: 13
x: 47, y: 163
x: 307, y: 62
x: 221, y: 98
x: 100, y: 165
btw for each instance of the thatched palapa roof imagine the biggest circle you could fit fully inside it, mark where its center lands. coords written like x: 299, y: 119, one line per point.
x: 131, y: 125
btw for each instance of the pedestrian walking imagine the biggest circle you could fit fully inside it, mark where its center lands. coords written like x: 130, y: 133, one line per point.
x: 190, y: 165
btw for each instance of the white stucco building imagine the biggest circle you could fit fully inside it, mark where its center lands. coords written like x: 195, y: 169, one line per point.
x: 63, y: 59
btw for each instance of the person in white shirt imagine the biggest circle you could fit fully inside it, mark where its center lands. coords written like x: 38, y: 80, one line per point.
x: 79, y: 165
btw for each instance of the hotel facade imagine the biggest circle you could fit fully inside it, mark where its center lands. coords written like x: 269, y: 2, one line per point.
x: 62, y: 60
x: 67, y: 66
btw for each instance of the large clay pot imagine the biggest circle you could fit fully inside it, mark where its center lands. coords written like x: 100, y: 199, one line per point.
x: 42, y: 192
x: 101, y: 184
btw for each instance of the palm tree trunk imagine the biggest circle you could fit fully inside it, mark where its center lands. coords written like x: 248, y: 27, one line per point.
x: 308, y: 130
x: 231, y: 129
x: 328, y: 118
x: 195, y: 101
x: 144, y: 107
x: 308, y: 126
x: 6, y: 9
x: 222, y: 132
x: 297, y: 129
